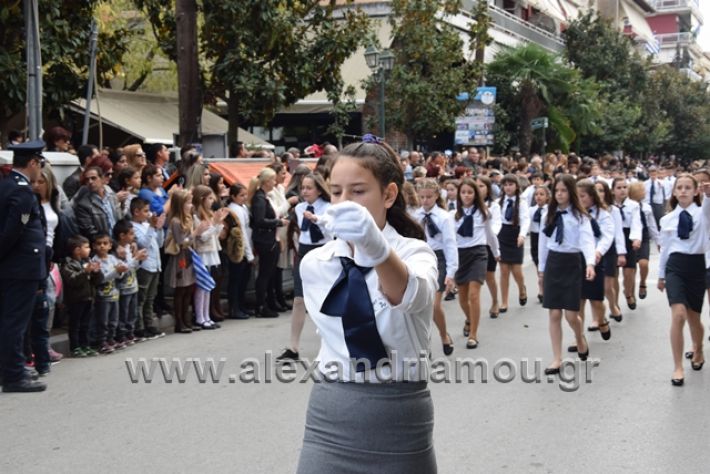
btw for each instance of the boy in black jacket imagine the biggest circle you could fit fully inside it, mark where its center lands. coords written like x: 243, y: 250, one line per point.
x: 80, y: 276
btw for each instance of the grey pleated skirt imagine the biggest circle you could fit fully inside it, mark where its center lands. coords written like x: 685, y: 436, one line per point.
x: 368, y: 428
x: 473, y: 262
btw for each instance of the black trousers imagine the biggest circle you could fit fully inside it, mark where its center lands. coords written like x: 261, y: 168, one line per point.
x: 17, y: 300
x: 79, y: 318
x: 268, y: 258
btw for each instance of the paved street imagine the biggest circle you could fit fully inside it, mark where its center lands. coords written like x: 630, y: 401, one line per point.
x: 629, y: 418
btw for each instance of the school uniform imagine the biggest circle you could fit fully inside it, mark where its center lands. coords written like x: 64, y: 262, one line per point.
x: 529, y: 195
x: 618, y: 248
x: 494, y: 216
x: 473, y: 234
x: 311, y: 237
x: 656, y: 197
x: 440, y: 234
x: 603, y: 229
x: 392, y: 422
x: 684, y: 240
x: 512, y: 229
x: 649, y: 232
x: 451, y: 205
x: 565, y: 250
x: 536, y: 213
x: 633, y: 230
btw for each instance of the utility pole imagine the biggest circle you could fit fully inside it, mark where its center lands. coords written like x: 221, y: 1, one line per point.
x: 189, y: 87
x: 34, y: 70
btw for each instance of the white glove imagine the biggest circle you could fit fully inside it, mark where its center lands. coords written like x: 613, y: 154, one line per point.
x: 353, y: 223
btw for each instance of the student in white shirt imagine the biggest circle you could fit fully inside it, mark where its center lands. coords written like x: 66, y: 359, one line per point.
x: 485, y: 188
x: 239, y: 273
x: 656, y: 195
x: 604, y: 233
x: 615, y: 257
x: 511, y: 239
x: 702, y: 176
x: 449, y: 193
x: 312, y: 235
x: 541, y: 200
x: 566, y: 247
x: 681, y: 269
x: 474, y: 231
x: 378, y: 281
x: 649, y: 233
x: 633, y: 232
x: 438, y: 225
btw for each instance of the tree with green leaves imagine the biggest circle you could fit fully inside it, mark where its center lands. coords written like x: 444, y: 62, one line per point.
x: 429, y: 71
x: 532, y: 83
x: 64, y: 36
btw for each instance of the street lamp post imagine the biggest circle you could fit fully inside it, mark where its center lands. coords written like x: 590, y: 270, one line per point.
x: 380, y: 63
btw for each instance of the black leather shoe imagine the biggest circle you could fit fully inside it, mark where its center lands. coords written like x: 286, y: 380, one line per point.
x: 552, y: 371
x: 266, y: 312
x: 288, y: 354
x: 572, y: 348
x: 238, y: 315
x: 697, y: 365
x: 584, y: 355
x: 247, y: 311
x: 605, y: 335
x: 677, y: 382
x: 449, y: 296
x: 24, y: 385
x: 689, y: 354
x: 448, y: 346
x: 617, y: 318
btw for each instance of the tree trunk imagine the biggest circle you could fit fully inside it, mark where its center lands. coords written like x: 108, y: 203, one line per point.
x: 530, y: 108
x: 189, y: 87
x: 233, y: 117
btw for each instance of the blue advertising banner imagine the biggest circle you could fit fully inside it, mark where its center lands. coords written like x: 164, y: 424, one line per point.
x: 475, y: 127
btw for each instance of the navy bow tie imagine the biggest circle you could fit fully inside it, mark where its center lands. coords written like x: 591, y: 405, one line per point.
x: 595, y: 228
x: 349, y: 299
x: 466, y: 227
x: 430, y: 225
x: 685, y: 225
x: 312, y: 228
x: 558, y: 224
x: 538, y: 215
x: 509, y: 211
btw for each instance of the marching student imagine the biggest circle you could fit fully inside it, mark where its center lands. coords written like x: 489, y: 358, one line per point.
x: 511, y: 239
x: 615, y: 257
x: 566, y: 248
x: 681, y: 269
x: 316, y: 200
x: 441, y: 237
x: 451, y: 191
x: 649, y: 233
x: 655, y: 194
x: 370, y: 294
x: 485, y: 188
x: 604, y: 232
x: 631, y: 219
x: 474, y: 230
x: 541, y: 198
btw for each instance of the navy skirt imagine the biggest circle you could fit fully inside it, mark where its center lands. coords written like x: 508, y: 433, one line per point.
x: 472, y: 265
x: 441, y: 265
x: 610, y: 260
x: 534, y: 240
x: 510, y: 253
x: 593, y: 290
x: 685, y: 280
x: 631, y: 254
x: 562, y: 281
x: 303, y: 249
x: 492, y: 264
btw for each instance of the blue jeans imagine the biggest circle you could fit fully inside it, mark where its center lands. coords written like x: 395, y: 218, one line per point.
x: 104, y: 322
x: 127, y: 313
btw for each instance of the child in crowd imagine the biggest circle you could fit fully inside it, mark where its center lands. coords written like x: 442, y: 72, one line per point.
x: 149, y: 235
x: 451, y: 190
x: 239, y: 273
x: 615, y: 257
x: 80, y: 276
x: 649, y: 233
x: 541, y: 197
x: 511, y: 239
x: 209, y: 226
x: 179, y: 273
x: 107, y: 296
x: 633, y: 233
x: 128, y: 253
x: 485, y: 188
x: 129, y: 182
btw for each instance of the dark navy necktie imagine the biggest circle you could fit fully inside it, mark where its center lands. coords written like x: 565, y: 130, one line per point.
x: 430, y: 225
x: 595, y: 228
x: 623, y: 214
x: 644, y: 225
x: 685, y: 225
x: 558, y: 224
x: 452, y: 206
x: 349, y: 299
x: 653, y: 191
x: 509, y: 211
x: 312, y: 228
x: 466, y: 227
x: 538, y: 215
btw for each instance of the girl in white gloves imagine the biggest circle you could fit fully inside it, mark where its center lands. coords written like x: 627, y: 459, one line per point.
x: 370, y: 293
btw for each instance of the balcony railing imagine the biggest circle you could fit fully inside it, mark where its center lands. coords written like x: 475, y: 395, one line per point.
x: 665, y: 6
x: 671, y: 39
x: 518, y: 27
x: 690, y: 74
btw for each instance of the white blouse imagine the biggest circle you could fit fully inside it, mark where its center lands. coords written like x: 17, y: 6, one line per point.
x: 647, y: 211
x: 523, y: 214
x: 696, y: 244
x: 578, y: 237
x: 631, y: 218
x: 404, y: 328
x: 320, y: 205
x: 536, y: 226
x: 606, y: 226
x: 619, y: 239
x: 52, y: 222
x: 483, y: 233
x: 445, y: 240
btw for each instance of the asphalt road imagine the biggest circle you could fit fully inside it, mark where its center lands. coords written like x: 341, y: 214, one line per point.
x: 628, y: 417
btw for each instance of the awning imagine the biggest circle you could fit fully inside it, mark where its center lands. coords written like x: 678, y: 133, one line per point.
x: 636, y: 20
x: 242, y: 170
x: 154, y: 118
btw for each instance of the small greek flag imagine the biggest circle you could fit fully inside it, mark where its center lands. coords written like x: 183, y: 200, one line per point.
x: 653, y: 47
x: 203, y: 279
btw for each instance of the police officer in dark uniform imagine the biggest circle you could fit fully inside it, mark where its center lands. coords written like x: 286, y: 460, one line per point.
x: 22, y: 262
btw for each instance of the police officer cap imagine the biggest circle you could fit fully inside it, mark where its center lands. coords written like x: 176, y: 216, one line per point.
x: 28, y: 149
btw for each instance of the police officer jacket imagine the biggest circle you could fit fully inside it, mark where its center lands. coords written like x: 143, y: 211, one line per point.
x: 23, y: 249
